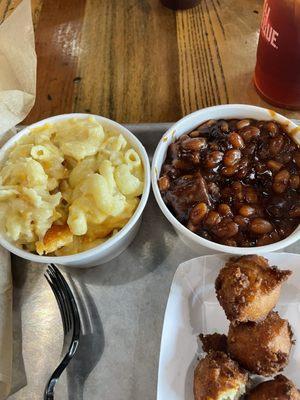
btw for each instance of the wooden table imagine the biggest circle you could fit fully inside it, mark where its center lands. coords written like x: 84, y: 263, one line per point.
x: 136, y: 61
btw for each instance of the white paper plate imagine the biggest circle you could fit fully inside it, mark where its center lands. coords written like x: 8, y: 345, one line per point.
x: 193, y: 308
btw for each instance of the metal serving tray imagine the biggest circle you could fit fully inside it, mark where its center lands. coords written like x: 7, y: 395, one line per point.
x: 122, y: 305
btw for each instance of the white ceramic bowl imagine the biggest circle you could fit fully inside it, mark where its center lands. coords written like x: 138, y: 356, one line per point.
x: 119, y: 242
x: 189, y: 123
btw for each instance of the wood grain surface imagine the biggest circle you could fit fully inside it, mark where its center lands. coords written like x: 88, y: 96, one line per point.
x: 137, y: 61
x: 129, y: 64
x: 58, y: 35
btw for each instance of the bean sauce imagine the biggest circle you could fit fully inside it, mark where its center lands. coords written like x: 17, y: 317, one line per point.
x: 235, y: 182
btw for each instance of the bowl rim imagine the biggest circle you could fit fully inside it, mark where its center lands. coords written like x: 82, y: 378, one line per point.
x: 185, y: 232
x: 103, y: 247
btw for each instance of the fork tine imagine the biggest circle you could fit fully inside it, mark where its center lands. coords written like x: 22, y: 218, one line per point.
x: 73, y: 305
x: 74, y: 313
x: 60, y: 277
x: 67, y: 292
x: 61, y: 283
x: 60, y: 300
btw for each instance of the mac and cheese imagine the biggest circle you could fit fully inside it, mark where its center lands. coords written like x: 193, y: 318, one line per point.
x: 69, y: 186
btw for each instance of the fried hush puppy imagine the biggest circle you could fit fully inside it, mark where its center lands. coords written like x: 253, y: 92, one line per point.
x: 213, y: 342
x: 217, y: 377
x: 280, y: 388
x: 248, y: 288
x: 263, y: 347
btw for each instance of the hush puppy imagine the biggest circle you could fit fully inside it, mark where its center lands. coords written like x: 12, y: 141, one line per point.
x: 248, y: 288
x: 217, y: 377
x: 263, y: 347
x: 280, y: 388
x: 214, y: 342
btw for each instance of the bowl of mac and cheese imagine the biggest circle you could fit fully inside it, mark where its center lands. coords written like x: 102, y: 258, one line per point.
x: 72, y: 190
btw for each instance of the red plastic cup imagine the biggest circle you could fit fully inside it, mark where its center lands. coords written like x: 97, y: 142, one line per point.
x: 277, y: 71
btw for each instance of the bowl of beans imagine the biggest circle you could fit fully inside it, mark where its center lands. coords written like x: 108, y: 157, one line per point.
x: 228, y: 178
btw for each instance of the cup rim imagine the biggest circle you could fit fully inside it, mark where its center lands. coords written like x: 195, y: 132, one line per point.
x: 184, y: 231
x: 103, y: 247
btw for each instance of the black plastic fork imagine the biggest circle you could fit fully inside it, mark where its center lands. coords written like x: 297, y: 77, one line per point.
x: 71, y: 323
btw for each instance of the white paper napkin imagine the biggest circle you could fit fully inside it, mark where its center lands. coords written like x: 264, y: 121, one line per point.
x: 17, y: 67
x: 17, y: 96
x: 5, y: 324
